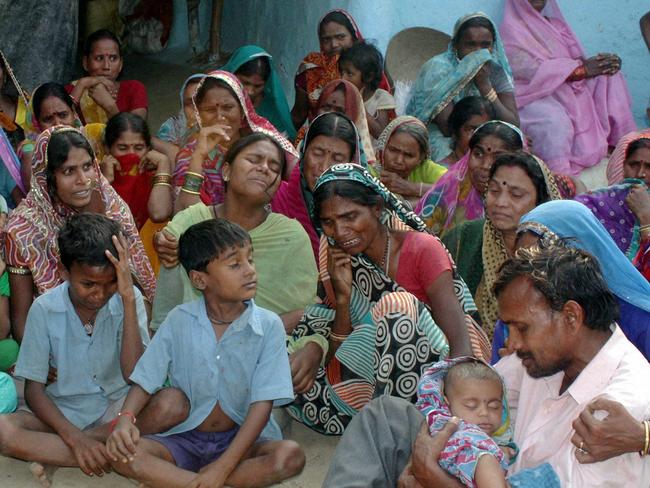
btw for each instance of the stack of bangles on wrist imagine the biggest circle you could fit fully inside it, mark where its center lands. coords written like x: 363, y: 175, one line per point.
x: 111, y: 426
x: 491, y: 96
x: 646, y: 446
x: 162, y: 179
x: 192, y: 183
x: 338, y: 337
x: 644, y: 231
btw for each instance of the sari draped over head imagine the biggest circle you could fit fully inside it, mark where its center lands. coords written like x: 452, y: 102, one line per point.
x: 427, y: 171
x: 319, y: 69
x: 570, y: 122
x: 175, y: 129
x: 465, y: 446
x: 274, y: 106
x: 494, y: 254
x: 394, y: 336
x: 454, y: 199
x: 12, y: 127
x: 294, y: 198
x: 33, y: 227
x: 212, y: 189
x: 354, y: 109
x: 445, y: 79
x: 617, y: 158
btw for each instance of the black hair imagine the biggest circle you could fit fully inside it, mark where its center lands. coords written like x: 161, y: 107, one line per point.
x: 256, y: 66
x: 85, y: 237
x: 510, y: 137
x: 465, y: 109
x: 100, y: 35
x: 122, y: 122
x: 338, y: 18
x: 474, y: 22
x: 205, y: 241
x: 350, y: 190
x: 561, y: 274
x: 643, y: 143
x: 367, y: 59
x: 208, y: 84
x: 57, y: 152
x: 240, y: 144
x: 530, y: 166
x: 47, y: 90
x: 333, y: 124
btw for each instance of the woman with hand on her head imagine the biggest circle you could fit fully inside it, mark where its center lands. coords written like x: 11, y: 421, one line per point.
x: 393, y: 303
x: 404, y: 164
x: 100, y: 95
x: 458, y: 195
x: 475, y: 64
x: 224, y: 113
x: 252, y: 170
x: 66, y: 180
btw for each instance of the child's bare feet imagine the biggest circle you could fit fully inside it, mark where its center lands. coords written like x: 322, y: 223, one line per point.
x: 42, y: 473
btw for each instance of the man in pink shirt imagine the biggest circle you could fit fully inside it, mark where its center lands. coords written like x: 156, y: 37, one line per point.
x: 569, y: 350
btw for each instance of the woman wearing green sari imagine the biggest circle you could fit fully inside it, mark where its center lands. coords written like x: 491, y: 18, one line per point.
x: 475, y: 64
x: 251, y: 173
x: 254, y: 68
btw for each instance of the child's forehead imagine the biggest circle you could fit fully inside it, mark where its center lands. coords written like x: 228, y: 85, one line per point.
x: 468, y: 385
x: 244, y: 248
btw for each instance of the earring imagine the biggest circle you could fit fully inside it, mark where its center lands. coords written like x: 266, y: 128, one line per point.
x: 225, y: 178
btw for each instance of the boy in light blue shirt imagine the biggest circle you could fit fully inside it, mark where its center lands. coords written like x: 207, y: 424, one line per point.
x: 230, y: 359
x: 82, y: 340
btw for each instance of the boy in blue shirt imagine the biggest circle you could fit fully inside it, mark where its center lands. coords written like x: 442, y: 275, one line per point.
x: 87, y: 335
x: 229, y: 357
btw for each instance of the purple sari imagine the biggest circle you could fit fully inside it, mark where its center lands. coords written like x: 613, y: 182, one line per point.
x: 571, y: 123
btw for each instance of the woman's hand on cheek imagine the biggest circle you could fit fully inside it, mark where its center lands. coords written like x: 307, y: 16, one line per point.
x: 109, y: 166
x: 339, y: 267
x: 212, y: 136
x: 638, y: 199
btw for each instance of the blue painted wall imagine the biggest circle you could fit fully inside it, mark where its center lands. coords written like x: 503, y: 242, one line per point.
x: 287, y: 29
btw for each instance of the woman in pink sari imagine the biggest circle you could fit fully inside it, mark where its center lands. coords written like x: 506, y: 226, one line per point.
x: 572, y: 106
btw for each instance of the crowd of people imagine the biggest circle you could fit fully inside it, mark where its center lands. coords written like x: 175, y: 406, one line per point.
x: 437, y: 287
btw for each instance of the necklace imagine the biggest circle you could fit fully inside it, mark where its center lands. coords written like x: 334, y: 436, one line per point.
x: 89, y: 324
x: 385, y: 260
x: 219, y: 322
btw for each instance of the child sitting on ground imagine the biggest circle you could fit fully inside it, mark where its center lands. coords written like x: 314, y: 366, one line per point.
x: 230, y: 359
x: 363, y: 66
x: 82, y: 339
x: 474, y: 392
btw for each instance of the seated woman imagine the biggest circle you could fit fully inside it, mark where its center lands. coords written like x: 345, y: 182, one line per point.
x: 467, y: 116
x: 173, y: 133
x: 255, y: 69
x: 331, y: 138
x: 100, y: 95
x: 571, y: 106
x: 624, y: 208
x: 617, y: 170
x: 12, y: 100
x: 49, y: 106
x: 474, y: 64
x: 404, y: 164
x: 224, y: 114
x: 252, y: 169
x: 343, y: 97
x: 67, y: 180
x: 458, y: 194
x: 518, y: 182
x: 572, y: 223
x: 337, y: 31
x: 393, y: 303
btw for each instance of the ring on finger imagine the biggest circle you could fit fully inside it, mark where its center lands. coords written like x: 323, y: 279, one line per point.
x: 581, y: 449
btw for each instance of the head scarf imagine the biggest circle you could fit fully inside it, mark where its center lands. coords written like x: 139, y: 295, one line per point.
x: 386, y: 134
x: 175, y: 128
x: 469, y: 442
x: 32, y: 127
x: 22, y: 102
x: 294, y: 198
x: 445, y: 78
x: 274, y: 104
x: 34, y: 225
x: 495, y: 254
x: 616, y: 160
x: 212, y: 190
x: 453, y: 199
x: 576, y: 224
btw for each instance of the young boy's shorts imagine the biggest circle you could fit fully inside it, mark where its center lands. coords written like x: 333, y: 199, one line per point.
x: 195, y: 449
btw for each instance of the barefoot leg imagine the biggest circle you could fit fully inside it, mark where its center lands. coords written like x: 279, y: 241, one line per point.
x: 268, y: 463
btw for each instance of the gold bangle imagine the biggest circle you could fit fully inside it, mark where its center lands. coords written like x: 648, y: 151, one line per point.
x: 646, y: 447
x: 18, y: 270
x: 644, y: 228
x: 190, y: 191
x: 338, y: 337
x: 491, y: 96
x: 162, y: 183
x: 199, y: 175
x: 163, y: 174
x: 420, y: 194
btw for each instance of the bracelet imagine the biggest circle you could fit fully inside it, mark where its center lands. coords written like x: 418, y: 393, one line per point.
x: 74, y: 100
x: 644, y: 228
x: 198, y: 175
x: 113, y: 423
x: 646, y: 447
x: 18, y: 270
x: 338, y: 337
x: 420, y: 193
x: 191, y: 192
x: 162, y: 178
x: 161, y: 183
x: 192, y: 182
x: 491, y: 96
